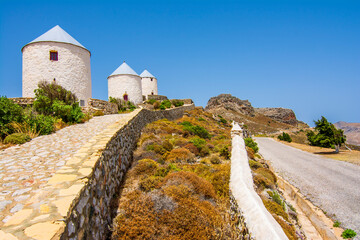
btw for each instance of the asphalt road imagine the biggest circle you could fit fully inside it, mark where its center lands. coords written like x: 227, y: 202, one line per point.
x: 331, y: 185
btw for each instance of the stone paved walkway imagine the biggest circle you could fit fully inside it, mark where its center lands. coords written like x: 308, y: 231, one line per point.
x: 26, y: 168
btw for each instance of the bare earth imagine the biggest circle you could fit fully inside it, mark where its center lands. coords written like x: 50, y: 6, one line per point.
x: 344, y: 155
x: 333, y: 186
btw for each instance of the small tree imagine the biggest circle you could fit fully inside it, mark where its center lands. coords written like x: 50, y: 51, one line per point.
x: 327, y: 135
x: 285, y: 137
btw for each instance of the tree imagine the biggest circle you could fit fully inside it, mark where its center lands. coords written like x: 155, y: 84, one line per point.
x: 327, y: 135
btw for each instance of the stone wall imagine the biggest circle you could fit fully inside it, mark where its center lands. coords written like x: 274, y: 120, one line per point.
x: 90, y: 214
x: 157, y: 97
x: 100, y: 105
x: 23, y: 101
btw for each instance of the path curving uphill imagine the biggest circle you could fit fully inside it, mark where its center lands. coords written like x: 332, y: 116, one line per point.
x: 332, y: 185
x: 25, y: 169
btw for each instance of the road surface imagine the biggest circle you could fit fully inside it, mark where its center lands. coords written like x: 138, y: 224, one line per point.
x: 331, y: 185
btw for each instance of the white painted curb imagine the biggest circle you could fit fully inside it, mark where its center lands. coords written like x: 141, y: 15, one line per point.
x: 259, y: 221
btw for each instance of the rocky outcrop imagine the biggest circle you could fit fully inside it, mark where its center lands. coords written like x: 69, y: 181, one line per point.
x: 229, y: 102
x: 283, y: 115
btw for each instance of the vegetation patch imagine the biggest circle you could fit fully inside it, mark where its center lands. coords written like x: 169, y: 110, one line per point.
x: 178, y: 194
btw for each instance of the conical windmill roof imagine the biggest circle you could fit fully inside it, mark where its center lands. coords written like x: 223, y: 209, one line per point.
x: 57, y: 34
x: 124, y: 69
x: 146, y: 74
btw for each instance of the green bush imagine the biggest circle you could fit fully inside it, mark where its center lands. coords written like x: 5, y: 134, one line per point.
x: 9, y: 112
x: 348, y: 233
x: 54, y: 100
x: 224, y: 152
x: 165, y: 104
x: 177, y: 103
x: 198, y: 142
x: 249, y: 142
x: 196, y: 130
x: 43, y: 124
x: 285, y: 137
x: 17, y: 138
x: 151, y: 101
x: 336, y: 224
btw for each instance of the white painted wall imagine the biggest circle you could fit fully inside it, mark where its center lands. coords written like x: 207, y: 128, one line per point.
x: 149, y: 86
x: 72, y: 70
x: 259, y: 221
x: 131, y: 84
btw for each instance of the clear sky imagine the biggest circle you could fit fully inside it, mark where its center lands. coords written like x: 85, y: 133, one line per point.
x: 303, y: 55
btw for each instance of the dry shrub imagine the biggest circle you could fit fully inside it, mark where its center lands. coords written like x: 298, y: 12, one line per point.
x: 141, y: 154
x: 137, y: 219
x: 250, y: 153
x: 180, y: 155
x: 167, y: 145
x: 197, y: 184
x: 147, y: 139
x: 215, y: 159
x: 289, y: 230
x: 261, y: 182
x: 192, y: 219
x: 146, y: 166
x: 276, y: 209
x: 163, y: 126
x: 254, y: 164
x: 24, y: 128
x: 150, y: 183
x: 220, y: 180
x: 191, y: 147
x: 267, y: 174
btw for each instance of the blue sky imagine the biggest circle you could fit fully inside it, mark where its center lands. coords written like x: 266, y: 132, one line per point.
x: 303, y: 55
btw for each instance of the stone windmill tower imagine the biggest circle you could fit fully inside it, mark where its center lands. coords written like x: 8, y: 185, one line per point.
x: 125, y: 83
x: 149, y: 84
x: 57, y: 57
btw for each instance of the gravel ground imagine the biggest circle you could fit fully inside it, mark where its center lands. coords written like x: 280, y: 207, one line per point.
x: 333, y: 186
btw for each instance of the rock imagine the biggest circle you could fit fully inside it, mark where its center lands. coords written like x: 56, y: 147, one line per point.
x: 229, y: 102
x: 283, y: 115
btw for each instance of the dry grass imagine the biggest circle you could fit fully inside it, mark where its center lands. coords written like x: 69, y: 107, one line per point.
x: 169, y: 194
x: 344, y: 155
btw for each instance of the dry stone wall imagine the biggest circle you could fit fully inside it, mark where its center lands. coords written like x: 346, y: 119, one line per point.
x: 90, y: 214
x: 100, y: 105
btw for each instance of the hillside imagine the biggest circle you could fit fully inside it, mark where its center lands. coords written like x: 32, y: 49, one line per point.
x: 351, y: 130
x: 257, y: 120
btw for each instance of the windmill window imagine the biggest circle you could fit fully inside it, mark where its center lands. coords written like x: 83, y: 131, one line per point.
x: 53, y: 55
x: 151, y: 79
x: 82, y: 103
x: 126, y: 97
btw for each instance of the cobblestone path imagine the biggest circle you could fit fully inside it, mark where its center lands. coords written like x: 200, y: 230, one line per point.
x: 25, y: 169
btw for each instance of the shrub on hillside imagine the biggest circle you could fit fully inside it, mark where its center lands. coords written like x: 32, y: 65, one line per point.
x: 225, y: 152
x: 17, y: 138
x: 146, y: 166
x: 9, y: 112
x: 180, y: 155
x: 156, y: 105
x: 54, y: 100
x: 166, y: 104
x: 285, y: 137
x: 249, y: 142
x: 177, y: 103
x: 196, y: 130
